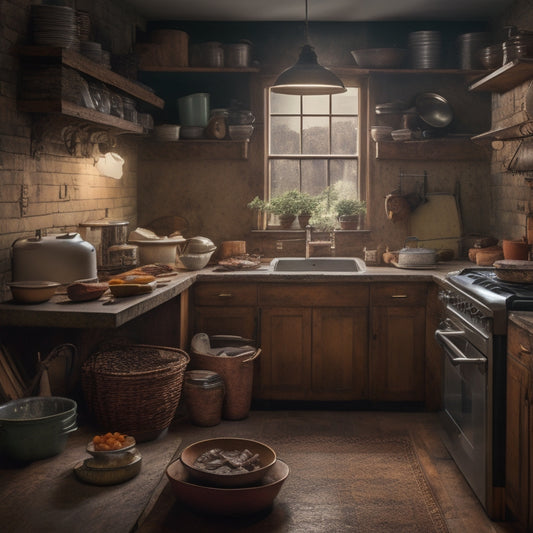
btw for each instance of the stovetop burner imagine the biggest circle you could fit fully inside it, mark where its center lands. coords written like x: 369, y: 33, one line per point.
x: 485, y: 285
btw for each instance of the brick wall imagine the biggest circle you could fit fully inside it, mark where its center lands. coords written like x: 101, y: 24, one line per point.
x: 54, y: 191
x: 511, y: 198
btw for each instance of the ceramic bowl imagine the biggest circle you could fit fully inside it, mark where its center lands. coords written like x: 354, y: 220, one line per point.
x: 240, y: 132
x: 33, y: 292
x: 195, y: 261
x: 381, y: 133
x: 227, y: 501
x: 267, y: 458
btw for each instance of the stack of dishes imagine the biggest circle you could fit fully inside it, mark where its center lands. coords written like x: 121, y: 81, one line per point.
x: 167, y: 132
x: 83, y: 20
x: 92, y: 50
x: 469, y: 45
x: 55, y: 26
x: 425, y: 48
x: 227, y: 493
x: 520, y: 45
x: 491, y: 56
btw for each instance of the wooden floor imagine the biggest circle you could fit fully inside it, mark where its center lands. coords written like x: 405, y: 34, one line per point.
x: 462, y: 511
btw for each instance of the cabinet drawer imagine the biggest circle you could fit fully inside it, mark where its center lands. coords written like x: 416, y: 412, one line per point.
x: 314, y: 295
x: 399, y: 294
x: 519, y: 343
x: 241, y: 294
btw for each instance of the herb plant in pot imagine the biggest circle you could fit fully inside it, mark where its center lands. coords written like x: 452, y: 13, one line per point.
x: 308, y: 207
x: 286, y: 206
x: 350, y: 213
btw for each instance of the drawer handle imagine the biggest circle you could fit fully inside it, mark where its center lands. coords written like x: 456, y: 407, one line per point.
x: 225, y: 295
x: 399, y: 296
x: 523, y: 349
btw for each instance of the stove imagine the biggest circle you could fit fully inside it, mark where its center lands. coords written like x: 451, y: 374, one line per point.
x: 473, y: 337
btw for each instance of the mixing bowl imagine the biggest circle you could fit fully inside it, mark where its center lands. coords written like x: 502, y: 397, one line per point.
x: 37, y: 427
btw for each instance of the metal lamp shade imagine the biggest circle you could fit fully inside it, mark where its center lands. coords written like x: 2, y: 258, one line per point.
x: 307, y: 77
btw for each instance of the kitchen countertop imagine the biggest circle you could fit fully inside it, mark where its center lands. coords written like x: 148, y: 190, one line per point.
x: 112, y: 313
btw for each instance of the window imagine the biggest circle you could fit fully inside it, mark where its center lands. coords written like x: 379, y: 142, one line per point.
x: 313, y: 142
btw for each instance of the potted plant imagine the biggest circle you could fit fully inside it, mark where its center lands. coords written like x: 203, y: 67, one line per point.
x: 286, y: 206
x: 350, y: 212
x: 260, y: 206
x: 308, y: 207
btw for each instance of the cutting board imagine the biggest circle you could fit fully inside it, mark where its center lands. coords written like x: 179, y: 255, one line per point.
x: 437, y: 223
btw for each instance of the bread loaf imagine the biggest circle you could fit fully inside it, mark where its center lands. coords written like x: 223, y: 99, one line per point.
x: 472, y: 252
x: 486, y: 257
x: 84, y: 292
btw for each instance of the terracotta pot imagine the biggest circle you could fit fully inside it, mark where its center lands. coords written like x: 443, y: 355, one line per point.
x: 350, y: 221
x: 515, y: 250
x: 285, y: 221
x: 303, y: 220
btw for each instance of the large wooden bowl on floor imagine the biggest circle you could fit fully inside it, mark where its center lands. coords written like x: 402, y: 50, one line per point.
x: 267, y: 458
x: 227, y: 501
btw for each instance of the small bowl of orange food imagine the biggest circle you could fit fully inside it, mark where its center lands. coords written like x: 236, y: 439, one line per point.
x: 110, y: 445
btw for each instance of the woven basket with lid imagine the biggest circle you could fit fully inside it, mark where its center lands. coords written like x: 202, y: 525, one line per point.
x: 134, y: 389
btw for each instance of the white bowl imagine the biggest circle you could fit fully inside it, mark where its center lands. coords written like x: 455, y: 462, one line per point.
x: 157, y: 250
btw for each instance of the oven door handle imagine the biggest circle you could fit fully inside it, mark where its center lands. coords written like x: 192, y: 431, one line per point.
x: 456, y: 356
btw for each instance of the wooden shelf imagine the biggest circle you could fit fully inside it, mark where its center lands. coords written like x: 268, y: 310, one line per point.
x: 506, y: 77
x: 407, y: 71
x: 195, y: 149
x: 194, y: 70
x: 82, y: 64
x: 69, y: 109
x: 518, y: 131
x: 449, y: 148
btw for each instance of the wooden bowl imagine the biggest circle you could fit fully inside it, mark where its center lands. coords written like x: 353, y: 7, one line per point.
x: 267, y: 458
x: 227, y: 501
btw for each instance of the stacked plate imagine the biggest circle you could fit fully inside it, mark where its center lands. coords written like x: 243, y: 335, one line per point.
x: 425, y: 49
x: 92, y: 50
x: 492, y: 56
x: 54, y: 26
x: 520, y: 45
x: 469, y: 45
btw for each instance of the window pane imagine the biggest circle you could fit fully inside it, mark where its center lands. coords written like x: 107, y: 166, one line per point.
x: 344, y: 170
x: 314, y: 175
x: 284, y: 104
x: 316, y: 105
x: 284, y: 176
x: 285, y: 135
x: 345, y: 103
x: 315, y: 135
x: 344, y: 135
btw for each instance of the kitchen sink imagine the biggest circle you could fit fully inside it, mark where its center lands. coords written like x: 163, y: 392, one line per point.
x: 318, y: 264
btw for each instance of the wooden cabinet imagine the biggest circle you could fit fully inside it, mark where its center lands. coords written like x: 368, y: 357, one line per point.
x: 314, y: 341
x: 315, y: 337
x: 397, y: 344
x: 518, y: 457
x: 226, y: 309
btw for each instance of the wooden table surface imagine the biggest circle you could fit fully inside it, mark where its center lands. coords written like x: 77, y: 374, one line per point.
x: 46, y: 496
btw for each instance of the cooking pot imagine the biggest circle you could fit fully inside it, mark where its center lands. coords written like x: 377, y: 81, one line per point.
x: 199, y: 245
x: 104, y: 234
x: 63, y: 257
x: 410, y: 257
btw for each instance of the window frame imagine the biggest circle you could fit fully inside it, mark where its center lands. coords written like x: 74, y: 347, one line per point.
x: 360, y: 82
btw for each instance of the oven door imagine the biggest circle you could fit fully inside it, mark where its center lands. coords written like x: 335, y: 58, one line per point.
x: 465, y: 406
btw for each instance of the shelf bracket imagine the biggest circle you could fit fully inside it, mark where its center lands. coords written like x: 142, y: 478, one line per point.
x: 85, y: 140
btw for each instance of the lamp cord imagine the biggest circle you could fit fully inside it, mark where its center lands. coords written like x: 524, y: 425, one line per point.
x: 306, y: 23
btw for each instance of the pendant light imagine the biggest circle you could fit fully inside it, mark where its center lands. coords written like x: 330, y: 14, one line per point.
x: 307, y: 76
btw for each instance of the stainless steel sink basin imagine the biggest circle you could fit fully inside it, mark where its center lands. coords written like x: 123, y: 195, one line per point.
x: 318, y: 264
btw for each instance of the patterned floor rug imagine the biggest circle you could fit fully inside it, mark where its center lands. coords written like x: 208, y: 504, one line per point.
x: 336, y: 485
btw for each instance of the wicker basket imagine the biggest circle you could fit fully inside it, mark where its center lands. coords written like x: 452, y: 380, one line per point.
x: 134, y: 389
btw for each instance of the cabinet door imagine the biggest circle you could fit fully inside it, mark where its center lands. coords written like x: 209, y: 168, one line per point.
x: 285, y: 362
x: 397, y: 354
x: 340, y: 354
x: 226, y: 321
x: 517, y: 462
